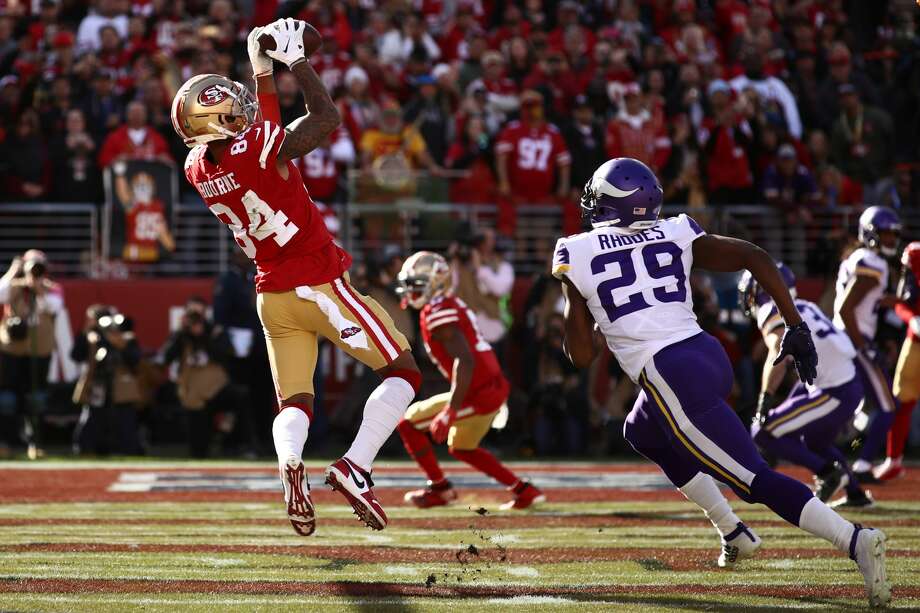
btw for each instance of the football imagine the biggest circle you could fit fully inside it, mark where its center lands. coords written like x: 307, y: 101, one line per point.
x: 312, y: 41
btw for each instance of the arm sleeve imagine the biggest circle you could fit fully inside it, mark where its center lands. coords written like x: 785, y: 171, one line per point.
x: 560, y: 150
x: 271, y: 109
x: 687, y: 231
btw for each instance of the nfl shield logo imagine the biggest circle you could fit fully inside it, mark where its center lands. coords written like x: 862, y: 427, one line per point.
x: 639, y: 210
x: 213, y: 95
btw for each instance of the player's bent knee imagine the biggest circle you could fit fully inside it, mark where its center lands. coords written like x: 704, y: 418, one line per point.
x: 403, y: 367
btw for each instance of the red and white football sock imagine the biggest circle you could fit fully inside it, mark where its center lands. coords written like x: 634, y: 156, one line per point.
x: 485, y: 462
x: 900, y: 428
x: 384, y: 408
x: 703, y: 491
x: 419, y: 448
x: 289, y: 430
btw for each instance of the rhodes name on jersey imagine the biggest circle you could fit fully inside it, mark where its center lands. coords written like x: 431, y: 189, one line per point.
x: 273, y: 219
x: 489, y: 388
x: 636, y: 285
x: 862, y: 262
x: 834, y: 347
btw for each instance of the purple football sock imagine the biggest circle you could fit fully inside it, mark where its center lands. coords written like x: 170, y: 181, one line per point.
x: 791, y: 448
x: 783, y: 495
x: 878, y: 432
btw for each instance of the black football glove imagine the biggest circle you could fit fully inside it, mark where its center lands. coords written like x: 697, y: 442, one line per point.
x: 797, y: 343
x: 871, y: 353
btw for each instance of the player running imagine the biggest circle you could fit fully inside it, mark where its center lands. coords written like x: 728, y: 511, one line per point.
x: 478, y: 389
x: 862, y: 283
x: 907, y: 372
x: 802, y: 428
x: 242, y: 167
x: 629, y: 277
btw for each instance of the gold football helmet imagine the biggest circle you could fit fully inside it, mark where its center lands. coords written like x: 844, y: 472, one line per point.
x: 210, y: 107
x: 424, y: 275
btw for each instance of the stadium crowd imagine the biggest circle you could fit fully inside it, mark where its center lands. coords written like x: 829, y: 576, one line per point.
x: 805, y: 106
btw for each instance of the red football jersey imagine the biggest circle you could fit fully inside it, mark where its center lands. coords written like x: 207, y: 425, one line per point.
x: 273, y: 220
x: 143, y: 224
x: 534, y: 152
x: 489, y: 388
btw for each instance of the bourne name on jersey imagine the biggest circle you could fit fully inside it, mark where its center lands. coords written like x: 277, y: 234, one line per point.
x: 636, y: 285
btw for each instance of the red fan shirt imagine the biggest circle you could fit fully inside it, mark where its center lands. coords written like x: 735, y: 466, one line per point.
x: 273, y: 220
x: 489, y: 388
x: 534, y: 152
x: 144, y: 222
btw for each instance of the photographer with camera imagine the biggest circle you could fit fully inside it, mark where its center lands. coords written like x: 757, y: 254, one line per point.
x: 202, y: 351
x: 108, y: 390
x: 34, y: 324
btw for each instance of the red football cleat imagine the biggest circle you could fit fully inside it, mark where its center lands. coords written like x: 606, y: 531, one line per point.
x: 525, y: 495
x: 890, y: 469
x: 355, y: 484
x: 300, y: 510
x: 434, y: 495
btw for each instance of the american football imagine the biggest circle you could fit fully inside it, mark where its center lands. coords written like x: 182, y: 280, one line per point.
x: 487, y: 307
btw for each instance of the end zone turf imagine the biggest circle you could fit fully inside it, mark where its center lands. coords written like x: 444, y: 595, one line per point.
x: 77, y: 536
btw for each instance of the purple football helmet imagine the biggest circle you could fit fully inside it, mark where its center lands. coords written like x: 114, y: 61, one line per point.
x: 878, y: 219
x: 751, y: 296
x: 623, y: 193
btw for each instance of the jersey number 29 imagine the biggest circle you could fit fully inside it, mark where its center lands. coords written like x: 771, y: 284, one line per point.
x: 623, y: 258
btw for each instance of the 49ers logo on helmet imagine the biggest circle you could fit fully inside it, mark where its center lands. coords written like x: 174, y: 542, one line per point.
x: 212, y: 95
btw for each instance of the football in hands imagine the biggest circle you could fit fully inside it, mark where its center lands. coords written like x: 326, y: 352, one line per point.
x: 312, y: 41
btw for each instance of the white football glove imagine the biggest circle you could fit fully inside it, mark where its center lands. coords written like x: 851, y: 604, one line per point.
x: 915, y: 325
x: 261, y: 63
x: 288, y: 35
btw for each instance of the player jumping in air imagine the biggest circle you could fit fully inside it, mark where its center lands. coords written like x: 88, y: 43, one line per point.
x: 802, y: 428
x: 862, y: 284
x: 907, y: 372
x: 478, y: 389
x: 242, y: 166
x: 629, y: 277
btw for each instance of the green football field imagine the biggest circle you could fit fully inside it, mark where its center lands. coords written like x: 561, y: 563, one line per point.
x: 156, y: 536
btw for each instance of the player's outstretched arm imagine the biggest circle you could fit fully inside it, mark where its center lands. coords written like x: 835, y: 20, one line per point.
x: 579, y: 327
x: 306, y: 133
x: 724, y: 254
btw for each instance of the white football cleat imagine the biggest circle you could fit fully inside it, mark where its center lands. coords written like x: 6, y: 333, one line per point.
x: 300, y: 510
x: 867, y: 549
x: 738, y: 544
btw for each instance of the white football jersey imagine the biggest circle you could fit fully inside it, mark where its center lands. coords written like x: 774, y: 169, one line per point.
x: 834, y: 347
x: 636, y: 285
x: 862, y: 262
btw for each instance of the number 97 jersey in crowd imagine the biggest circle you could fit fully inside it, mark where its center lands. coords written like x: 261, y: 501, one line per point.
x: 636, y: 285
x: 273, y: 219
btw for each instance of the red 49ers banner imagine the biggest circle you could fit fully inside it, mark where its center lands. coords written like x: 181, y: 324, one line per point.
x: 140, y: 198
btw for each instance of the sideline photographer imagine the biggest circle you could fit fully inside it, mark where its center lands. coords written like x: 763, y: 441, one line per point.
x: 108, y: 390
x: 203, y: 351
x: 33, y: 326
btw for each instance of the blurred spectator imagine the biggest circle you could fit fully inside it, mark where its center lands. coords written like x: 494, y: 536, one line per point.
x: 532, y: 161
x: 429, y: 112
x: 725, y: 138
x: 584, y: 136
x: 771, y: 89
x: 359, y: 110
x: 837, y: 189
x: 102, y: 107
x: 108, y: 390
x: 323, y: 168
x: 638, y: 133
x: 483, y: 279
x: 861, y: 141
x: 73, y: 160
x: 24, y: 160
x: 135, y: 140
x: 34, y: 326
x: 841, y: 72
x: 502, y: 96
x: 410, y: 35
x: 383, y: 267
x: 393, y: 139
x: 472, y: 153
x: 900, y: 193
x: 553, y: 78
x: 103, y: 13
x: 202, y: 351
x: 790, y: 188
